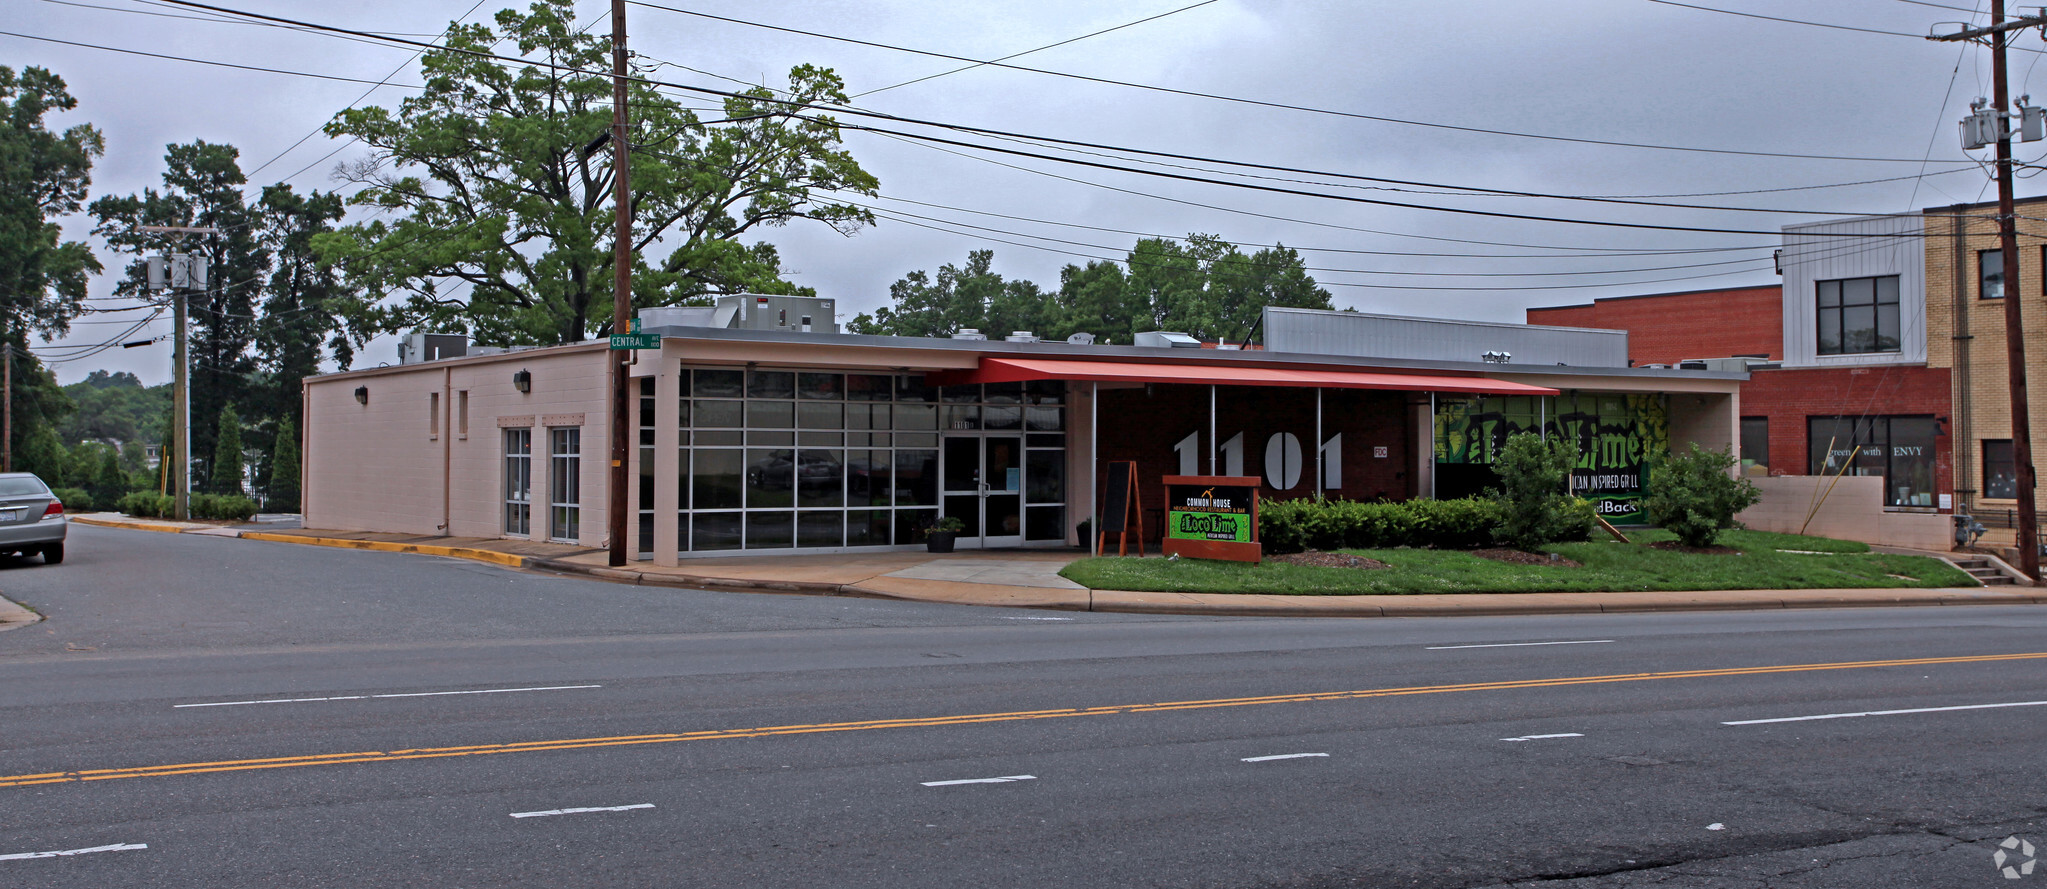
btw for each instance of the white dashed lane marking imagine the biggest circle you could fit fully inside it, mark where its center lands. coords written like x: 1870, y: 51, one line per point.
x: 548, y: 812
x: 1544, y: 737
x: 1887, y: 713
x: 416, y: 694
x: 1282, y: 756
x: 1518, y: 644
x: 119, y: 847
x: 1002, y: 780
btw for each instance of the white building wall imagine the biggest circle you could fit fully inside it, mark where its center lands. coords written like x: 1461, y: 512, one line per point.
x: 1854, y: 248
x: 381, y: 468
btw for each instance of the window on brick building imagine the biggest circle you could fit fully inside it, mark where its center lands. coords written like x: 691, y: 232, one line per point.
x: 1900, y: 449
x: 1858, y: 315
x: 2000, y: 477
x: 1989, y: 274
x: 1755, y: 446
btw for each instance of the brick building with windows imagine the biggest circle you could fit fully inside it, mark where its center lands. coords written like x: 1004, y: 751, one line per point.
x: 1892, y: 363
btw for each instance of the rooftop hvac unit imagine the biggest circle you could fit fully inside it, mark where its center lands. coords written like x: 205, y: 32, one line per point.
x: 1167, y: 339
x: 1021, y: 336
x: 420, y: 347
x: 969, y: 333
x: 1081, y: 339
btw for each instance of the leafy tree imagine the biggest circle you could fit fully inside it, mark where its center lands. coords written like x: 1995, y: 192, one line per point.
x: 1534, y: 473
x: 110, y: 482
x: 974, y: 296
x: 202, y: 187
x: 1696, y: 495
x: 282, y: 494
x: 113, y: 407
x: 1205, y: 287
x: 299, y: 326
x: 42, y: 454
x: 494, y: 186
x: 226, y: 476
x: 43, y: 175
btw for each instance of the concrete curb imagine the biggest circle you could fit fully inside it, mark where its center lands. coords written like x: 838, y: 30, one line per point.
x: 508, y: 560
x: 158, y: 527
x: 1129, y: 602
x: 14, y: 616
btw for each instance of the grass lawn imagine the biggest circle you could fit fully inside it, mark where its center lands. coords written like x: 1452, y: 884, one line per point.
x: 1607, y: 565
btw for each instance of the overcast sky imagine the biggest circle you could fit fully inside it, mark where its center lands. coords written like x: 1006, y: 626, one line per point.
x: 1632, y: 71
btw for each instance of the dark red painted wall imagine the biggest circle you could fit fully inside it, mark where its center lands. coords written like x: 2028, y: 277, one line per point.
x: 1144, y: 425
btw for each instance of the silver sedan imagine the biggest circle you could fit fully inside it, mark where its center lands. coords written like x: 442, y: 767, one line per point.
x: 31, y: 518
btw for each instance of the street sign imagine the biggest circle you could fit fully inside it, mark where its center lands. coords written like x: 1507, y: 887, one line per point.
x: 635, y: 341
x: 636, y: 325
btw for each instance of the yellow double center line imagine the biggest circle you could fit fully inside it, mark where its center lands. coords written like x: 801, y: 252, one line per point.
x: 329, y: 759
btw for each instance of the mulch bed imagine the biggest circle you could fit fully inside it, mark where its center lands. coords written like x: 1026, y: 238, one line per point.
x: 1676, y: 547
x: 1518, y: 557
x: 1327, y: 560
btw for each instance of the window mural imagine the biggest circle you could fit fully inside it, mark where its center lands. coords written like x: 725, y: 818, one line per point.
x: 1618, y: 436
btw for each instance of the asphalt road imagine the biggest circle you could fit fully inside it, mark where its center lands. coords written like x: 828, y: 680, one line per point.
x: 222, y: 713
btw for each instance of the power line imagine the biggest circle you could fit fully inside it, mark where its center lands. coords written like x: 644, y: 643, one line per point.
x: 1039, y: 49
x: 1243, y: 101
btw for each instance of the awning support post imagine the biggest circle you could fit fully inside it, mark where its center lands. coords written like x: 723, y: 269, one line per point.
x: 1431, y: 455
x: 1094, y: 459
x: 1211, y: 430
x: 1318, y: 443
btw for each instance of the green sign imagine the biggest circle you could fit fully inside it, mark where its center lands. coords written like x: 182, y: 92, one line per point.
x: 635, y: 341
x: 1209, y: 512
x: 1619, y: 436
x: 636, y: 325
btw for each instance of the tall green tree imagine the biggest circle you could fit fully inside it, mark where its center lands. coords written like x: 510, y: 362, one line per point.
x: 299, y: 326
x: 226, y: 475
x: 1205, y: 287
x: 960, y: 297
x: 495, y: 203
x: 43, y: 176
x: 282, y: 492
x: 203, y: 185
x: 113, y: 407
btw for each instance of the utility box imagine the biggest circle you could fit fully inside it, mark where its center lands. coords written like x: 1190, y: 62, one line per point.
x: 790, y: 314
x: 416, y: 348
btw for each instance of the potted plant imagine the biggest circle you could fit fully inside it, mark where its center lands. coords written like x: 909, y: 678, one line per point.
x: 938, y: 537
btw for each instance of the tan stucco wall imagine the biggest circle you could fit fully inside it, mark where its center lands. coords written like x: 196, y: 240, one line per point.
x: 380, y: 467
x: 1845, y: 508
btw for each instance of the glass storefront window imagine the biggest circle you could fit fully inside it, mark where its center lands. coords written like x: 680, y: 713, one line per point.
x: 2000, y: 478
x: 1898, y: 449
x: 1755, y: 446
x: 775, y: 459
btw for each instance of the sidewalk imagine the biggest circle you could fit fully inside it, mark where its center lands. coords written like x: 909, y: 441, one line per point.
x: 1030, y: 579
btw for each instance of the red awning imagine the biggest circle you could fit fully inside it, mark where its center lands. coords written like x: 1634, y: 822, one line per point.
x: 1009, y: 370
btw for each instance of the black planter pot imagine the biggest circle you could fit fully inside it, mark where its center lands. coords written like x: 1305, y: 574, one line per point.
x: 940, y: 541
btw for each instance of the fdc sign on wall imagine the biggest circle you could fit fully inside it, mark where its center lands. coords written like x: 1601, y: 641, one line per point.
x: 1617, y: 436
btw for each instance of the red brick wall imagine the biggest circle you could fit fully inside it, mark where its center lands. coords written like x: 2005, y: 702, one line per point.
x: 1670, y: 327
x: 1789, y: 396
x: 1144, y: 425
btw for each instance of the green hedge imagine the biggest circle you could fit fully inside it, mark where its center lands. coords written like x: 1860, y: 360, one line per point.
x: 227, y: 507
x: 74, y: 499
x: 1288, y: 526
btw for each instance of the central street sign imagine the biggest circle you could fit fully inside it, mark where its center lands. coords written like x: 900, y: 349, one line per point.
x: 636, y: 341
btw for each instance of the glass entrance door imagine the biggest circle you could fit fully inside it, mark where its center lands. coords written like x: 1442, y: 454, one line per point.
x: 984, y: 488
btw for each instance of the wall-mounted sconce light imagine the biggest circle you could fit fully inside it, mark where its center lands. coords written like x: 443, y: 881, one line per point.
x: 523, y: 381
x: 362, y: 395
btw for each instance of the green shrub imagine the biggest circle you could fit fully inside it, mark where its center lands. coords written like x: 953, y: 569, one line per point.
x: 1289, y: 526
x: 1535, y: 476
x: 74, y: 499
x: 145, y: 504
x: 1696, y: 496
x: 227, y: 507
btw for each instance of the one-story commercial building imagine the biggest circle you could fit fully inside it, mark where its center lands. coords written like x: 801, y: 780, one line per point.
x: 759, y: 431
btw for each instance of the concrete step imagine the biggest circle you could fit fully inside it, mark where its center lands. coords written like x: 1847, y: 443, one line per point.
x: 1988, y: 576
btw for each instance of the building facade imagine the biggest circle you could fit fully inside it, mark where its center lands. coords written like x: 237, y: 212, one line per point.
x: 760, y: 441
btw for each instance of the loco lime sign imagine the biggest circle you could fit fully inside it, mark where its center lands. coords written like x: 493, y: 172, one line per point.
x: 1212, y: 517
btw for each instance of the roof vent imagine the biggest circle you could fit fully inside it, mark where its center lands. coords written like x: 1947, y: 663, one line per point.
x: 1081, y: 339
x: 1167, y: 339
x: 969, y: 333
x: 1021, y: 336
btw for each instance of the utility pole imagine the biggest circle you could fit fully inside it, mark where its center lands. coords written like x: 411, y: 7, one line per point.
x: 179, y: 273
x: 7, y: 415
x: 2008, y: 241
x: 621, y: 291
